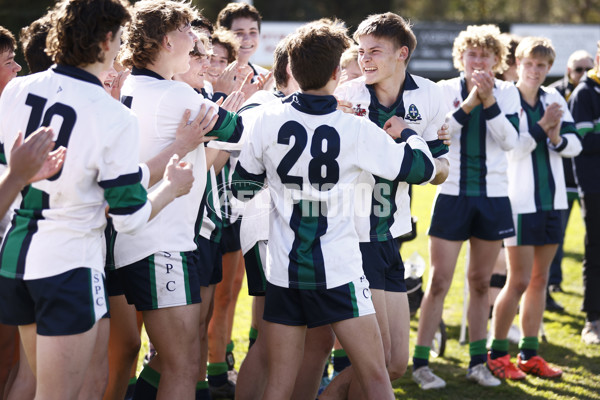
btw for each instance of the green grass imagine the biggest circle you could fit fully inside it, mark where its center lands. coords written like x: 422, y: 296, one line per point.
x: 580, y: 363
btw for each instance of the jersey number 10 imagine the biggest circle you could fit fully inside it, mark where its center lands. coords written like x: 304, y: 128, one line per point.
x: 40, y: 118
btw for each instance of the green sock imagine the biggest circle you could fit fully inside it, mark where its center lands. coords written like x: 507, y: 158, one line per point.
x: 339, y: 353
x: 230, y: 346
x: 500, y: 345
x: 478, y: 352
x: 477, y: 347
x: 529, y: 343
x: 421, y: 356
x: 422, y: 352
x: 151, y: 376
x: 214, y: 369
x: 253, y: 333
x: 202, y: 385
x: 132, y: 381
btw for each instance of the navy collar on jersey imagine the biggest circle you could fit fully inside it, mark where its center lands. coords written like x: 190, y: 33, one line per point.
x: 77, y: 73
x: 279, y: 94
x: 409, y: 84
x: 146, y: 72
x: 312, y: 104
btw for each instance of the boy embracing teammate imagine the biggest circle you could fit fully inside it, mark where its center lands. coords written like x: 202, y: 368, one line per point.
x: 311, y: 156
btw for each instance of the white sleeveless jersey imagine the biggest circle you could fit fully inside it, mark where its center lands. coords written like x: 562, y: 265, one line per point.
x: 480, y: 140
x: 536, y: 179
x: 60, y: 220
x: 311, y: 156
x: 419, y: 106
x: 159, y: 105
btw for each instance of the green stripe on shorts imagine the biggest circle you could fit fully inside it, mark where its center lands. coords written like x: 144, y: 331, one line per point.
x: 186, y: 279
x: 353, y: 298
x: 152, y: 275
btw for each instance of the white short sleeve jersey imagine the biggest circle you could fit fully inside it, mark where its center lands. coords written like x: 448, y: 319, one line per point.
x: 159, y: 105
x: 210, y: 222
x: 59, y: 223
x: 311, y: 156
x: 480, y: 140
x: 419, y: 106
x: 536, y: 179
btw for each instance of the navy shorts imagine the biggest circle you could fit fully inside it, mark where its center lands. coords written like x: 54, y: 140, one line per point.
x: 113, y: 283
x: 298, y: 307
x: 383, y: 265
x: 537, y: 229
x: 254, y: 261
x: 460, y: 217
x: 66, y: 304
x: 162, y: 280
x: 230, y: 238
x: 210, y: 262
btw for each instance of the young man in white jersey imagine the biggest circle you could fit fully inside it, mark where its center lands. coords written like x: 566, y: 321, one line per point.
x: 314, y: 255
x: 57, y: 303
x: 254, y: 234
x: 537, y: 191
x: 385, y: 44
x: 473, y: 202
x: 158, y: 266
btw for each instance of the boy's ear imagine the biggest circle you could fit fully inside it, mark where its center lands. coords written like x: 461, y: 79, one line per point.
x: 403, y: 53
x: 165, y: 42
x: 336, y: 73
x: 104, y: 45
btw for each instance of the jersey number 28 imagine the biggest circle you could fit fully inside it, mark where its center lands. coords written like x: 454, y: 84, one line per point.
x: 323, y: 169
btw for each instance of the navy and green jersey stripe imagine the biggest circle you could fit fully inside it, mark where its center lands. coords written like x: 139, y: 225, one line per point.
x: 545, y: 187
x: 306, y: 269
x: 383, y: 202
x: 2, y: 154
x: 125, y: 194
x: 229, y: 127
x: 473, y: 169
x: 24, y: 226
x: 211, y: 208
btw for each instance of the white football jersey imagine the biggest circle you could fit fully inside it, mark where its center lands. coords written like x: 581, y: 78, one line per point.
x: 311, y: 156
x: 418, y: 105
x: 59, y: 223
x: 159, y: 105
x: 480, y: 140
x: 536, y: 179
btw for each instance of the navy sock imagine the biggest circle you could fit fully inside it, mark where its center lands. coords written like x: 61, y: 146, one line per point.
x: 146, y: 386
x: 526, y: 354
x: 477, y: 359
x: 217, y: 380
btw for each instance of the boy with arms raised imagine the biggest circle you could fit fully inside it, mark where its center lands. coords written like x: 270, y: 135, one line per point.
x: 386, y: 91
x: 314, y: 255
x: 57, y: 303
x: 537, y: 191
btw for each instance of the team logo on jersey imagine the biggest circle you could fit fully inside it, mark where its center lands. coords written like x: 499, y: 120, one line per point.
x: 361, y: 112
x: 456, y: 103
x: 413, y: 114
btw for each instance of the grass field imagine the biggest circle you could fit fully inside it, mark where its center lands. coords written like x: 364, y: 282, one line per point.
x: 580, y: 363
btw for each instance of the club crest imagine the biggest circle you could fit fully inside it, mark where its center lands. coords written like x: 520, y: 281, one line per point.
x: 413, y: 114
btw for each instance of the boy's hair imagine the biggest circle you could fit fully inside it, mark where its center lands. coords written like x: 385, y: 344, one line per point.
x: 579, y: 55
x: 280, y: 62
x: 538, y: 47
x: 389, y: 26
x: 205, y: 42
x: 202, y: 22
x: 484, y: 36
x: 234, y: 11
x: 80, y: 26
x: 7, y: 40
x: 152, y: 20
x: 511, y: 41
x: 226, y: 39
x: 33, y: 42
x: 314, y: 53
x: 351, y: 54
